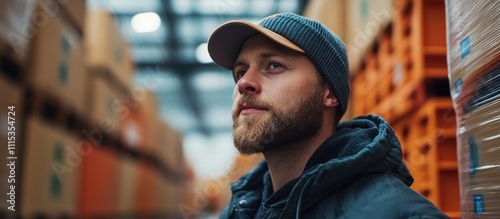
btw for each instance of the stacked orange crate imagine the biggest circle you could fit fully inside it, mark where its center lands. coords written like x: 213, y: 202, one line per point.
x: 421, y: 62
x: 419, y: 65
x: 372, y: 83
x: 367, y: 80
x: 386, y: 56
x: 429, y: 150
x: 402, y: 131
x: 372, y: 79
x: 358, y: 95
x: 372, y: 74
x: 385, y: 60
x: 432, y: 154
x: 411, y: 91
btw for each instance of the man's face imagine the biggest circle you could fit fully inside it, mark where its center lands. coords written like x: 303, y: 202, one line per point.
x: 277, y: 99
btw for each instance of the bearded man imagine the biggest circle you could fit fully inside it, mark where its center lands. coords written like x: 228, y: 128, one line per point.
x: 292, y: 89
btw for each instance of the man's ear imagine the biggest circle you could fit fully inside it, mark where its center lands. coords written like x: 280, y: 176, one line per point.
x: 329, y: 100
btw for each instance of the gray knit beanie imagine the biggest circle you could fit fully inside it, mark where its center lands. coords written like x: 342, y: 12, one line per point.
x: 322, y: 46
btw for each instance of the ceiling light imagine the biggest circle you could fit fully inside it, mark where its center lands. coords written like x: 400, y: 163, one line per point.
x: 145, y: 22
x: 202, y: 53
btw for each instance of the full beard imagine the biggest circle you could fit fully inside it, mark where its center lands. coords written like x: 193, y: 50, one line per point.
x: 277, y: 127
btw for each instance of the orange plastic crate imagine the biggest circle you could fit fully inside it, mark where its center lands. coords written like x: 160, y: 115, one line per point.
x: 358, y: 93
x: 433, y: 155
x: 420, y: 26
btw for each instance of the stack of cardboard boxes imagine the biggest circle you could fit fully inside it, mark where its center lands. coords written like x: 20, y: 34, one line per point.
x: 55, y: 73
x: 474, y: 66
x: 89, y: 144
x: 130, y: 115
x: 14, y: 21
x: 10, y: 103
x: 110, y: 71
x: 109, y: 77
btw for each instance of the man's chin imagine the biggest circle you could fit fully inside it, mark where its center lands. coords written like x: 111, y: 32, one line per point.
x: 246, y: 140
x: 249, y: 149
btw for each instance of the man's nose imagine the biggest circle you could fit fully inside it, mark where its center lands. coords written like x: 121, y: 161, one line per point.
x: 249, y: 83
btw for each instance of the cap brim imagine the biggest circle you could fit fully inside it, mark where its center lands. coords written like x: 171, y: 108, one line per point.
x: 225, y: 43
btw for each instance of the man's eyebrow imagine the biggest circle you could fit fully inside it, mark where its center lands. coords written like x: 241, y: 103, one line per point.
x: 269, y: 54
x: 263, y: 55
x: 238, y: 63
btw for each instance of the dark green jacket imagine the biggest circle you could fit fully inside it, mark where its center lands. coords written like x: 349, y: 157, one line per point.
x: 356, y: 173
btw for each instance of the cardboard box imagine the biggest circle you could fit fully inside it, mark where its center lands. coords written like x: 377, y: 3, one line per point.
x: 478, y: 108
x: 472, y: 37
x: 132, y: 129
x: 76, y: 10
x: 484, y: 204
x: 478, y: 153
x: 480, y: 145
x: 106, y: 106
x: 14, y: 100
x: 171, y: 154
x: 51, y: 166
x: 57, y: 63
x: 17, y: 25
x: 481, y: 199
x: 189, y: 196
x: 99, y: 182
x: 106, y: 48
x: 146, y: 190
x: 127, y: 186
x: 172, y: 148
x: 167, y: 196
x: 148, y: 107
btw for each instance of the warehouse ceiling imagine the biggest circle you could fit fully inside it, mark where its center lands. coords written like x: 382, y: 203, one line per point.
x: 194, y: 94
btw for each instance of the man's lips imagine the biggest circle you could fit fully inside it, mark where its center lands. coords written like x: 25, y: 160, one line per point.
x: 246, y: 109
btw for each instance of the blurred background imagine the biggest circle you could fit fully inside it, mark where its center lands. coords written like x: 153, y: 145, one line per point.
x: 114, y: 109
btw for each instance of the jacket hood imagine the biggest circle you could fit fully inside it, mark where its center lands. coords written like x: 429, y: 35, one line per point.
x: 361, y: 146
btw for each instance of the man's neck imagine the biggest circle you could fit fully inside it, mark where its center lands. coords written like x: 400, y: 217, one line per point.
x: 288, y: 162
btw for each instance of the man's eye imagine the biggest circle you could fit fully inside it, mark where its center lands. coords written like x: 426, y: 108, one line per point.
x: 239, y: 74
x: 275, y: 65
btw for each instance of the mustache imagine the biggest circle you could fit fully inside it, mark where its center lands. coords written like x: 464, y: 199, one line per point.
x: 249, y: 100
